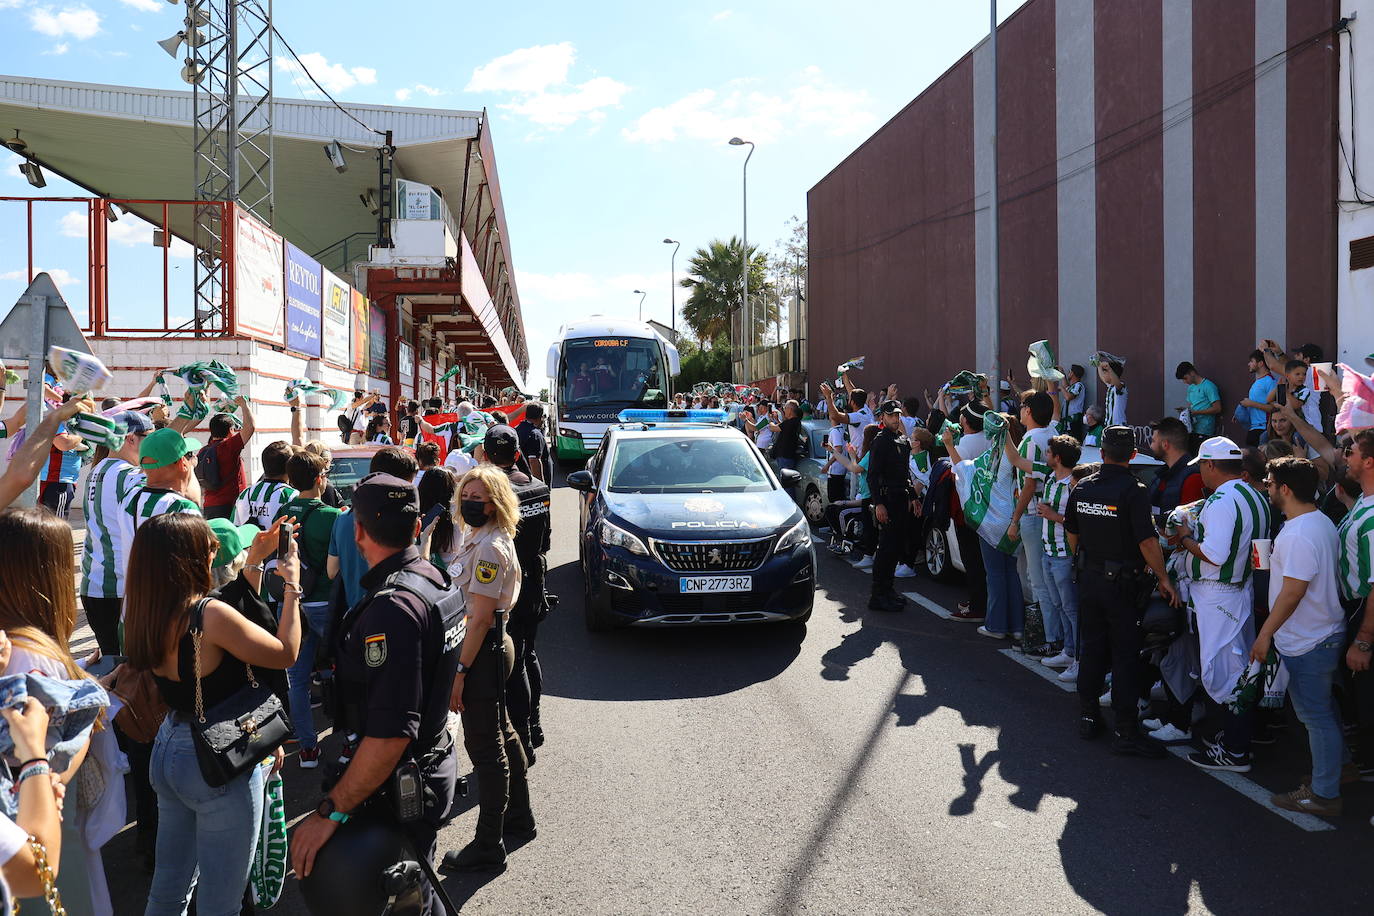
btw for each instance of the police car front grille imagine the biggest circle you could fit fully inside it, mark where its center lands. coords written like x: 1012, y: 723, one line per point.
x: 712, y: 556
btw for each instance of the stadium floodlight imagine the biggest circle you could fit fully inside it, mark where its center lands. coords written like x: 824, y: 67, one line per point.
x: 334, y: 153
x: 30, y: 170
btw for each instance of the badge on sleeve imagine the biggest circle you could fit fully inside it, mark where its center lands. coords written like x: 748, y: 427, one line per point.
x: 486, y: 572
x: 374, y: 650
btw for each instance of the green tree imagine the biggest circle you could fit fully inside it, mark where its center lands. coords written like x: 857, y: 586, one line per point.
x: 715, y: 279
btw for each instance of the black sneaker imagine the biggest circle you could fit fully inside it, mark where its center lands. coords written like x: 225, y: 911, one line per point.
x: 1089, y: 727
x: 1137, y: 745
x: 476, y: 856
x: 1217, y: 757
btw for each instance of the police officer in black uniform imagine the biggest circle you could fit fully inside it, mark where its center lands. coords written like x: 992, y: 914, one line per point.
x: 889, y: 487
x: 1116, y: 547
x: 532, y: 538
x: 396, y: 657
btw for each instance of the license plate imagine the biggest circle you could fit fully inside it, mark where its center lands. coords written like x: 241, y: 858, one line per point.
x: 697, y: 585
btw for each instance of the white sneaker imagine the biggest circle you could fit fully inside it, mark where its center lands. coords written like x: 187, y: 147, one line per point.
x: 904, y: 572
x: 984, y: 631
x: 1106, y: 698
x: 864, y: 563
x: 1152, y: 725
x: 1170, y: 733
x: 1070, y: 674
x: 1057, y: 661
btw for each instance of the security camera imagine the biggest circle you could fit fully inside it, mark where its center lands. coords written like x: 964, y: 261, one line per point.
x: 334, y: 153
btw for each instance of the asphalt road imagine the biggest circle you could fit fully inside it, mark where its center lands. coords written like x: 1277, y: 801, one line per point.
x: 877, y: 763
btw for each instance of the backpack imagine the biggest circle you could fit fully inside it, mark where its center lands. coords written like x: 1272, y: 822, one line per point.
x: 345, y: 426
x: 310, y: 575
x: 207, y: 467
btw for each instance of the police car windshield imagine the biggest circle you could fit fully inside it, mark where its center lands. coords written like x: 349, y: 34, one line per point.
x: 688, y: 465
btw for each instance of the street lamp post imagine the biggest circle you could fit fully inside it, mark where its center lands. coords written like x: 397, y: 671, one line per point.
x: 642, y: 294
x: 995, y: 383
x: 672, y: 280
x: 746, y: 315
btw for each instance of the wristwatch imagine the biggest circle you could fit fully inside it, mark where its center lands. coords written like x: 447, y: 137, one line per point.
x: 1364, y: 646
x: 463, y: 669
x: 326, y: 810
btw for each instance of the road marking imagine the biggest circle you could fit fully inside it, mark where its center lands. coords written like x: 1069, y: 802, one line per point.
x: 1033, y: 664
x: 1255, y: 792
x: 936, y: 609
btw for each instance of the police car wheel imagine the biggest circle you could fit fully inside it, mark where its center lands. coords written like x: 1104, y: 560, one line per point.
x: 937, y: 556
x: 800, y: 622
x: 814, y: 506
x: 596, y: 620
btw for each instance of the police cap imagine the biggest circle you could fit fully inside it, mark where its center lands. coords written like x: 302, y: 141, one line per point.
x: 891, y: 406
x: 380, y: 496
x: 1118, y: 437
x: 501, y: 444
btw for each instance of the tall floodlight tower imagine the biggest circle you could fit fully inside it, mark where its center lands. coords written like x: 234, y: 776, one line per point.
x: 229, y: 66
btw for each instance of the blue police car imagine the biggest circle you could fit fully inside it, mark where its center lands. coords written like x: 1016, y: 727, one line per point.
x: 684, y: 522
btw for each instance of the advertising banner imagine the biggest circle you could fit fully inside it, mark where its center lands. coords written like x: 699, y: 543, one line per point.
x: 335, y: 326
x: 406, y: 358
x: 259, y: 298
x: 302, y: 302
x: 359, y: 318
x: 377, y: 341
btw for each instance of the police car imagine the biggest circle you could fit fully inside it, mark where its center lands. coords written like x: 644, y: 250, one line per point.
x: 684, y: 522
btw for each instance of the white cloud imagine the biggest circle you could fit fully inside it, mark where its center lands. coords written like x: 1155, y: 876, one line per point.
x: 559, y: 109
x: 79, y: 22
x: 402, y: 95
x: 11, y: 4
x: 129, y: 230
x: 58, y: 49
x: 722, y: 15
x: 525, y: 70
x: 813, y: 103
x: 428, y: 90
x: 333, y: 77
x: 62, y: 278
x: 145, y: 6
x: 539, y: 78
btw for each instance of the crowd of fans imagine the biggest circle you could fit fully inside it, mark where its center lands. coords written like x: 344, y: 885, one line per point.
x: 1267, y: 536
x: 174, y: 525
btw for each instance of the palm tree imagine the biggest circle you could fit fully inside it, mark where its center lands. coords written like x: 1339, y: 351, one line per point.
x: 715, y: 279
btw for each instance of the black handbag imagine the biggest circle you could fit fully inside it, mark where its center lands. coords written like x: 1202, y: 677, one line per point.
x: 239, y: 732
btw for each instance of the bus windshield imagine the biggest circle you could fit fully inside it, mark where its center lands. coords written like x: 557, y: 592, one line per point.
x: 619, y: 371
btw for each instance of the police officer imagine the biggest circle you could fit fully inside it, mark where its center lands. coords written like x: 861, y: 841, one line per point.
x: 487, y: 570
x: 1113, y: 536
x: 526, y: 683
x: 397, y: 655
x: 889, y: 485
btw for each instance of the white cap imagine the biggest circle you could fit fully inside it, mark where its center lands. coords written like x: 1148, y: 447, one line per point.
x: 1217, y: 448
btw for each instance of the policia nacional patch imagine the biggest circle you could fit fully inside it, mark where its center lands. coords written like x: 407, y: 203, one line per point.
x: 486, y: 572
x: 374, y: 650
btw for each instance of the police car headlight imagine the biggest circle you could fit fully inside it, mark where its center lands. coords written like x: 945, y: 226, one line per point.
x: 798, y: 535
x: 611, y: 536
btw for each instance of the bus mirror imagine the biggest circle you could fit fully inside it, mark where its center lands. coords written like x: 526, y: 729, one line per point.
x: 674, y: 361
x: 551, y: 363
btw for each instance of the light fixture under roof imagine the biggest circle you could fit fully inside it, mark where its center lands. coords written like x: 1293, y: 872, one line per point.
x: 30, y: 170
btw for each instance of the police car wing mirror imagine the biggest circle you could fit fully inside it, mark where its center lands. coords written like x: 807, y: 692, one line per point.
x: 581, y: 480
x: 789, y: 478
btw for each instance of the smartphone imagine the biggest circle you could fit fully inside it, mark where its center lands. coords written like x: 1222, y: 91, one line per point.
x: 284, y: 539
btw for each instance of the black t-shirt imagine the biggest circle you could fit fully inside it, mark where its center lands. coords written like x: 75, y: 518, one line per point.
x: 394, y: 676
x: 1110, y: 514
x: 785, y: 445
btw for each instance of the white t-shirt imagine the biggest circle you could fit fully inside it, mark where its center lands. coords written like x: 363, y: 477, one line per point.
x: 859, y: 419
x: 971, y: 446
x: 1306, y: 549
x: 836, y: 439
x: 460, y: 462
x: 12, y: 839
x: 909, y: 424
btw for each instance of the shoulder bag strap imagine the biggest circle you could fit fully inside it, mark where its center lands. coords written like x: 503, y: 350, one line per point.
x: 197, y: 629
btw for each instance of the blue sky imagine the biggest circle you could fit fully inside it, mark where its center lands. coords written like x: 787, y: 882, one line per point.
x: 610, y: 118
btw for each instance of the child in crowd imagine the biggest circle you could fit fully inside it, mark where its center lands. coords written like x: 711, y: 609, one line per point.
x: 1075, y: 397
x: 1057, y: 561
x: 1295, y: 390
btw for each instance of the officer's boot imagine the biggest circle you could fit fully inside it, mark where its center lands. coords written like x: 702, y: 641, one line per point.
x: 479, y: 855
x: 519, y: 825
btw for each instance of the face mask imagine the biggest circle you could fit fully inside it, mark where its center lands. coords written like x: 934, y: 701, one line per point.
x: 474, y: 512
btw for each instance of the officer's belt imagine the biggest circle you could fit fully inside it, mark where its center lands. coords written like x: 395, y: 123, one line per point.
x: 437, y: 752
x: 1111, y: 567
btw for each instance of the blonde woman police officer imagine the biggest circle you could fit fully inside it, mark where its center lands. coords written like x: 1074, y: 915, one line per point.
x: 489, y: 574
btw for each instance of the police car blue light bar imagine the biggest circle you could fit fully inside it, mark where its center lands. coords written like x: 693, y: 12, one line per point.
x: 673, y: 416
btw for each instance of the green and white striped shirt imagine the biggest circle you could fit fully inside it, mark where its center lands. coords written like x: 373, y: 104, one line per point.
x: 109, y: 530
x: 1034, y: 446
x: 1356, y: 568
x: 144, y: 502
x: 260, y: 503
x: 1056, y: 497
x: 1231, y: 518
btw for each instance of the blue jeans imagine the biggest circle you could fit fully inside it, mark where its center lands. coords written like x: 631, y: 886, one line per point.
x: 1310, y: 677
x: 298, y: 675
x: 1006, y: 610
x: 1063, y: 594
x: 205, y: 836
x: 1033, y: 545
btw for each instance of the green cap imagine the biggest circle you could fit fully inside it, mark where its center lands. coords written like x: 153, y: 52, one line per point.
x: 163, y: 446
x: 233, y: 539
